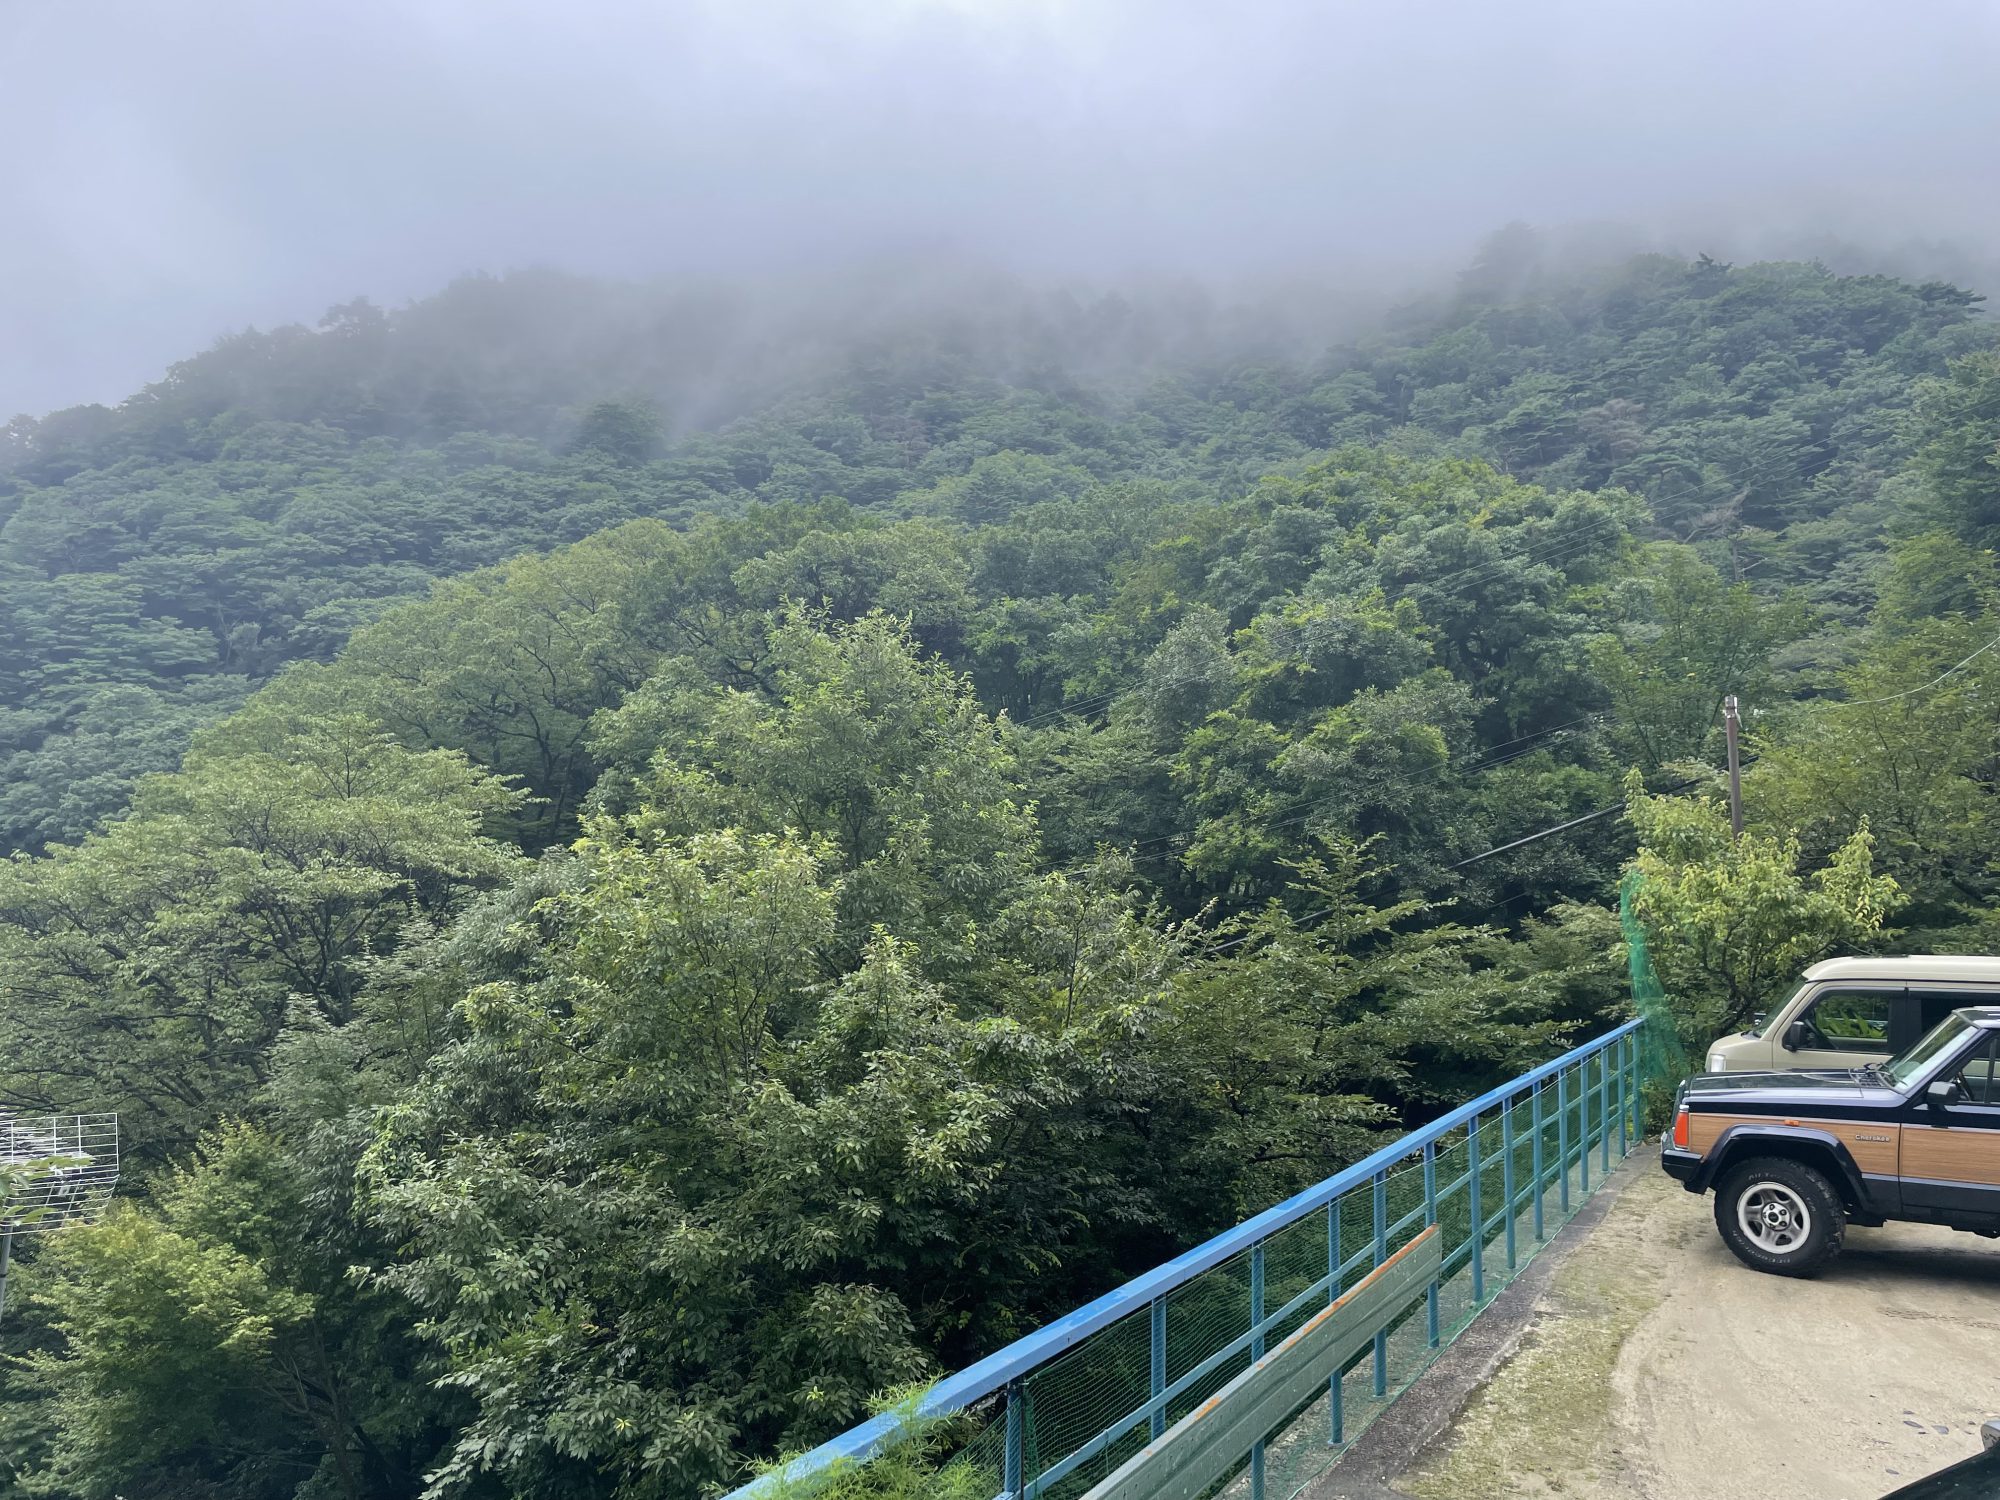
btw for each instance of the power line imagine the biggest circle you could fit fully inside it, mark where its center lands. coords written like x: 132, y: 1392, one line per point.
x: 1912, y: 692
x: 1602, y: 812
x: 1297, y: 812
x: 1436, y: 773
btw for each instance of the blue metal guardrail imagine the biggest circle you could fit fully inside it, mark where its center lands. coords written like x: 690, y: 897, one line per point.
x: 1071, y: 1401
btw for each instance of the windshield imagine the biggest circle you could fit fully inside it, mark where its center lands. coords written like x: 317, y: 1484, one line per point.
x: 1908, y: 1066
x: 1761, y: 1020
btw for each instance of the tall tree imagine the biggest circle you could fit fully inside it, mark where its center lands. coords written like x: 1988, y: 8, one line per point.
x: 151, y: 968
x: 1733, y: 920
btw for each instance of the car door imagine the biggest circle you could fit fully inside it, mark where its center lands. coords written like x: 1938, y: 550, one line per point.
x: 1950, y: 1157
x: 1842, y: 1026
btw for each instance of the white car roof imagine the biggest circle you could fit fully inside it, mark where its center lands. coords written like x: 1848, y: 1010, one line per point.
x: 1910, y: 967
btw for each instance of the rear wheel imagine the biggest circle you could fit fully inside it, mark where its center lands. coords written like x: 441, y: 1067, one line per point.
x: 1780, y: 1216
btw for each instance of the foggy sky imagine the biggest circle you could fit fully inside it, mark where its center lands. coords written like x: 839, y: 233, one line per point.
x: 180, y: 168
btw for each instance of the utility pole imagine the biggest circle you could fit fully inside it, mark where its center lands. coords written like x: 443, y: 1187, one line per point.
x: 1731, y: 726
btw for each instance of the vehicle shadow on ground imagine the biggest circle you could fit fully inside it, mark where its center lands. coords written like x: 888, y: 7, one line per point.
x: 1899, y: 1254
x: 1890, y: 1261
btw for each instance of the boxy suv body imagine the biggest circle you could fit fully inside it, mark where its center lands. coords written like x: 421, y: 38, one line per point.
x: 1850, y: 1011
x: 1794, y: 1158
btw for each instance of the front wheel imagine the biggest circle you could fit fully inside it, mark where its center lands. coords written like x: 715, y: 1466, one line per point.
x: 1780, y: 1216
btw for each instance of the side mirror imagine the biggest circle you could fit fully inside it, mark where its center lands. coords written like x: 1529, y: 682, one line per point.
x: 1797, y: 1035
x: 1944, y: 1091
x: 1989, y: 1433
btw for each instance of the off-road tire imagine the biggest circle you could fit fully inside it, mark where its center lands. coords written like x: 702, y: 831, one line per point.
x: 1792, y: 1186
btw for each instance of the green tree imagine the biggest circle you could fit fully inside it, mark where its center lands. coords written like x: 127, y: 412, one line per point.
x: 212, y: 1344
x: 1958, y: 417
x: 1910, y: 757
x: 151, y: 968
x: 627, y: 432
x: 714, y: 1199
x: 1306, y: 1037
x: 1692, y: 639
x: 1732, y: 921
x: 508, y: 665
x: 861, y: 742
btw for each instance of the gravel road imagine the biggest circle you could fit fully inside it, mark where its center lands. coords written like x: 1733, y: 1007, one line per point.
x: 1659, y: 1368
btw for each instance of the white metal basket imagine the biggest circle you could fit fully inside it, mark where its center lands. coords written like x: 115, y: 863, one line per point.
x: 55, y: 1170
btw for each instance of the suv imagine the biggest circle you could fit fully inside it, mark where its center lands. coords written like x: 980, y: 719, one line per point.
x: 1794, y: 1158
x: 1976, y: 1478
x: 1848, y: 1011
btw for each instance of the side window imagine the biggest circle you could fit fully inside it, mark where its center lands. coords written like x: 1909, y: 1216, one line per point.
x: 1976, y: 1078
x: 1934, y: 1006
x: 1850, y: 1020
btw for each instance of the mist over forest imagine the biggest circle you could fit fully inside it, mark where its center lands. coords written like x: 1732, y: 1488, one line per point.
x: 200, y: 172
x: 703, y: 707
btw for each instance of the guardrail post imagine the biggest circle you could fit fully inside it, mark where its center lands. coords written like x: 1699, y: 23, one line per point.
x: 1257, y: 1302
x: 1159, y: 1372
x: 1562, y: 1137
x: 1583, y: 1126
x: 1624, y: 1098
x: 1633, y: 1078
x: 1011, y: 1480
x: 1473, y: 1150
x: 1507, y: 1174
x: 1335, y: 1423
x: 1430, y: 1218
x: 1381, y: 1254
x: 1636, y: 1094
x: 1604, y: 1108
x: 1257, y: 1353
x: 1535, y: 1160
x: 1632, y: 1092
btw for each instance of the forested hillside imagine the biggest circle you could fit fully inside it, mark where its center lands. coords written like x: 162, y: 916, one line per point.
x: 269, y: 496
x: 633, y: 897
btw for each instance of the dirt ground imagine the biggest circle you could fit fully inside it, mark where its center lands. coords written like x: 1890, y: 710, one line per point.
x: 1659, y: 1368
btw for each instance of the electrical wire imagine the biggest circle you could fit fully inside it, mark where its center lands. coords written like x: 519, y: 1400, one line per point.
x: 1471, y: 764
x: 1602, y: 812
x: 1950, y: 671
x: 1540, y: 833
x: 1544, y: 551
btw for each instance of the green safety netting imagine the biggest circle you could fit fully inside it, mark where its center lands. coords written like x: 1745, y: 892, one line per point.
x: 1663, y: 1060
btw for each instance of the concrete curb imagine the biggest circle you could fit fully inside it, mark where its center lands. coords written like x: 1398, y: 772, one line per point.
x: 1396, y: 1441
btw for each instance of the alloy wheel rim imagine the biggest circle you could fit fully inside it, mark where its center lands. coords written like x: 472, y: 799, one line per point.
x: 1773, y: 1217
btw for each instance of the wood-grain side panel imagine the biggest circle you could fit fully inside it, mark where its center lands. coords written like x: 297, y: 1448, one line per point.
x: 1872, y: 1143
x: 1952, y: 1155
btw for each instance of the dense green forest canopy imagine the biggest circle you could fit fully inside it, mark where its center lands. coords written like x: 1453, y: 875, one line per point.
x: 627, y: 911
x: 266, y: 498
